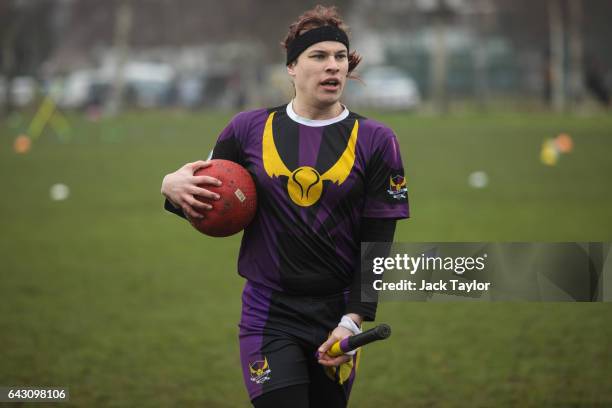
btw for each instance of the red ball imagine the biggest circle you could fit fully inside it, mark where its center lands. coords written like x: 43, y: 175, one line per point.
x: 237, y: 205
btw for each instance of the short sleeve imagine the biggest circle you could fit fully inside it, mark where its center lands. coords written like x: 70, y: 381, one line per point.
x: 228, y: 145
x: 386, y: 186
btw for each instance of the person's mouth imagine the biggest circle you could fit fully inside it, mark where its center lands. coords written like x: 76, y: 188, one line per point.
x: 330, y: 84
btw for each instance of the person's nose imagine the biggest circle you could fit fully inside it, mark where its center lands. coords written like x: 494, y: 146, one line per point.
x: 332, y: 65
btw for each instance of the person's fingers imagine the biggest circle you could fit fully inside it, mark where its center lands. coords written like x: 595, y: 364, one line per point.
x: 200, y: 164
x: 195, y: 203
x: 325, y: 357
x: 190, y: 212
x: 202, y: 192
x: 206, y: 180
x: 327, y: 344
x: 333, y: 361
x: 191, y: 167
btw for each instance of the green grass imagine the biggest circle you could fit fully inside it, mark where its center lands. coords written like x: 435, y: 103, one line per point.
x: 129, y: 307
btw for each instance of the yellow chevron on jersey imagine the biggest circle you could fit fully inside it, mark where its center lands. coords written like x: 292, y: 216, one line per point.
x: 305, y: 184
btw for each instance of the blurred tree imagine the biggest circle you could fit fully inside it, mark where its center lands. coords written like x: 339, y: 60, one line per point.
x: 441, y: 13
x: 557, y: 54
x: 30, y: 30
x: 484, y: 15
x: 576, y: 51
x: 10, y: 21
x: 185, y: 23
x: 575, y: 30
x: 26, y: 40
x: 123, y: 28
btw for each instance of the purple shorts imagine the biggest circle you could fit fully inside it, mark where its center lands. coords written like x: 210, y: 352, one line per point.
x: 279, y: 335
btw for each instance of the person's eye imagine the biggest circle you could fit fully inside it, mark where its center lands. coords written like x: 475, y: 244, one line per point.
x: 341, y: 56
x: 318, y: 56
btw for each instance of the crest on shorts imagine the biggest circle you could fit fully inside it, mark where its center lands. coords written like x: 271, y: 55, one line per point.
x: 397, y: 187
x: 260, y: 371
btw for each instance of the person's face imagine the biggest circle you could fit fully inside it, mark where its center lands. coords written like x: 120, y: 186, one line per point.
x: 320, y: 72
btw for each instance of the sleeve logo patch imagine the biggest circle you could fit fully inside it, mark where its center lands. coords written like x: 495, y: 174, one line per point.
x: 397, y: 187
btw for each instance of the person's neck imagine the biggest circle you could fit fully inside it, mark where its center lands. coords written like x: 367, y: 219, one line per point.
x: 316, y: 112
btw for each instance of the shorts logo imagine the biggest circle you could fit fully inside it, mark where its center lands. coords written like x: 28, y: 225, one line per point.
x: 397, y: 187
x: 260, y: 371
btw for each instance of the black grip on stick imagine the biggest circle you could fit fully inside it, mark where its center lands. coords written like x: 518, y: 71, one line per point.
x: 380, y: 332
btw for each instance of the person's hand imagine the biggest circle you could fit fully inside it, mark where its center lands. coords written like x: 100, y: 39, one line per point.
x: 338, y: 334
x: 181, y: 186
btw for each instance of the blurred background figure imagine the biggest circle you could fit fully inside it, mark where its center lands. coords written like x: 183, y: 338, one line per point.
x: 595, y: 81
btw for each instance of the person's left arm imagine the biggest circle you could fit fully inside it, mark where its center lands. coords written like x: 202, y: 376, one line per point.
x: 386, y: 200
x: 358, y: 309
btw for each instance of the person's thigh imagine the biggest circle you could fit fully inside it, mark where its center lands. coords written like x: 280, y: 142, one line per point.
x: 271, y: 361
x: 270, y: 352
x: 294, y: 396
x: 324, y: 392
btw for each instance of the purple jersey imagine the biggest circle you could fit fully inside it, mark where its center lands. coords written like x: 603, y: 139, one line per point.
x: 316, y: 180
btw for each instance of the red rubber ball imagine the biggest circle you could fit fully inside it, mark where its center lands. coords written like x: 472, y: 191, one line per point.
x: 237, y: 205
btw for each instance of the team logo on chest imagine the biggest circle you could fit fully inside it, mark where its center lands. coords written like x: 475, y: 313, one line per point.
x: 305, y: 184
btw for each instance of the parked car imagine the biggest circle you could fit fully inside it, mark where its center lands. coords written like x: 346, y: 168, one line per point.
x: 145, y: 85
x: 23, y: 90
x: 384, y: 87
x: 77, y: 88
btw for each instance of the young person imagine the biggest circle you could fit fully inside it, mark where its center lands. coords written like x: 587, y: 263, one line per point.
x: 327, y: 179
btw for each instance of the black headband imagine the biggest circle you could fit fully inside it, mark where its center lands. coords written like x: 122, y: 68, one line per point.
x: 316, y: 35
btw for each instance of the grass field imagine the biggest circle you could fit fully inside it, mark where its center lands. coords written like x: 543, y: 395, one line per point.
x: 129, y: 307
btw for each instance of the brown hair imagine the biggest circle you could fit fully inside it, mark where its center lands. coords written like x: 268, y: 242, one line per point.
x: 318, y: 17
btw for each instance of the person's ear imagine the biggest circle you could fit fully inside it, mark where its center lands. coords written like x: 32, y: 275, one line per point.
x: 291, y: 69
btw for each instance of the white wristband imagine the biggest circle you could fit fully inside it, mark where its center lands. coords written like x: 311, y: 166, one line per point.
x: 348, y: 323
